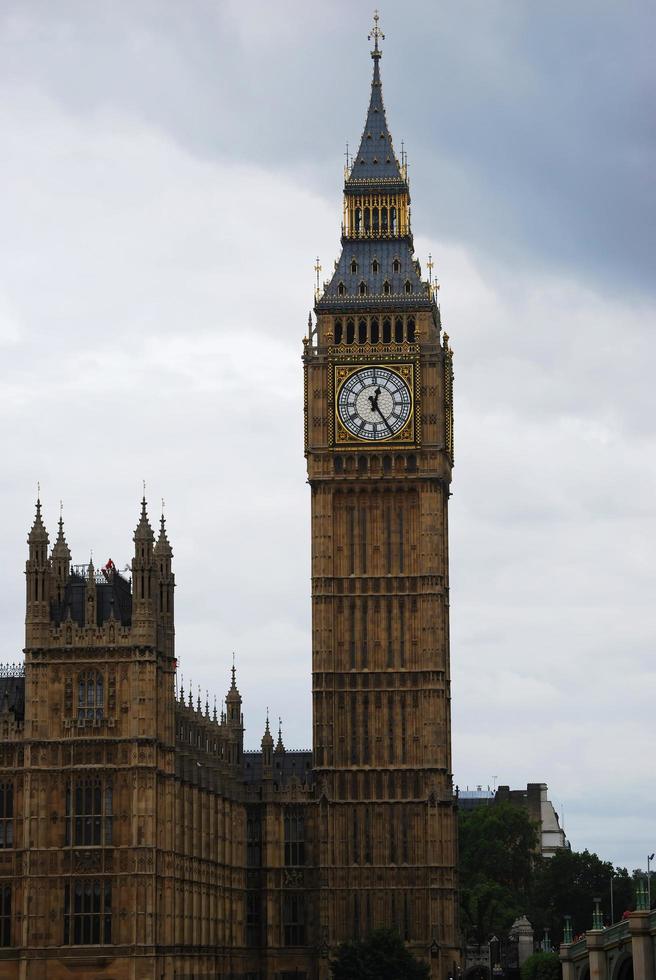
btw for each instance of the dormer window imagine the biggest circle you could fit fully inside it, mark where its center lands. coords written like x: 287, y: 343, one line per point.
x: 341, y: 289
x: 408, y: 286
x: 368, y: 136
x: 396, y: 265
x: 375, y: 266
x: 386, y: 288
x: 363, y: 289
x: 354, y: 266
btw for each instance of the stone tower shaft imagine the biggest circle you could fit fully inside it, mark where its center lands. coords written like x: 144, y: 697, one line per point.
x: 379, y: 449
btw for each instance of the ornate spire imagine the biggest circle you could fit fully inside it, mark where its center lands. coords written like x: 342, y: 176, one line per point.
x: 375, y: 162
x: 279, y: 744
x: 143, y: 531
x: 233, y: 693
x: 267, y: 738
x: 162, y: 547
x: 60, y: 548
x: 38, y: 533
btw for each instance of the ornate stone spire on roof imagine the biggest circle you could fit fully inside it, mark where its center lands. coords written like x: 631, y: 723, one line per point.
x: 279, y: 744
x: 143, y: 530
x: 60, y: 548
x: 233, y: 694
x: 267, y: 738
x: 375, y: 162
x: 38, y: 532
x: 163, y: 547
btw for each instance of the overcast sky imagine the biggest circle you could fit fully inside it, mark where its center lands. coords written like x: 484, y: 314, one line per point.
x: 168, y: 173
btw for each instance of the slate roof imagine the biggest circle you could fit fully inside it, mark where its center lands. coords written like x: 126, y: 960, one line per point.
x: 375, y: 161
x: 384, y: 251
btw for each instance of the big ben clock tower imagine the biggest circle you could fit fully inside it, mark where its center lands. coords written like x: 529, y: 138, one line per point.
x: 379, y: 448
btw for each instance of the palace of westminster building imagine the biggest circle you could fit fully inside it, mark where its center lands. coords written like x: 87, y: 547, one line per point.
x: 137, y: 838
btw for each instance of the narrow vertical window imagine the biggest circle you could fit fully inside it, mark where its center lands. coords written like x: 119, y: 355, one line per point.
x: 351, y: 540
x: 374, y: 337
x: 90, y: 702
x: 7, y: 814
x: 401, y: 532
x: 352, y: 634
x: 411, y: 331
x: 390, y: 640
x: 338, y: 328
x: 350, y: 331
x: 364, y: 611
x: 387, y: 331
x: 403, y: 726
x: 398, y: 330
x: 365, y: 730
x: 401, y: 633
x: 356, y: 836
x: 294, y: 838
x: 5, y: 915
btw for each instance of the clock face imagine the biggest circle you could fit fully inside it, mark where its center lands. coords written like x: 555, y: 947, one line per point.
x: 374, y: 403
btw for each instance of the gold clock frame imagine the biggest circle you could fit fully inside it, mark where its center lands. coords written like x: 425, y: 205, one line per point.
x: 339, y: 435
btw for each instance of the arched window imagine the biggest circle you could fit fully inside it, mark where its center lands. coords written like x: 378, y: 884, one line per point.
x: 350, y: 331
x: 90, y: 698
x: 341, y: 289
x: 387, y: 331
x: 398, y: 330
x: 408, y: 286
x: 362, y: 332
x: 396, y: 265
x: 411, y: 331
x: 354, y: 266
x: 383, y: 219
x: 358, y: 220
x: 363, y: 288
x: 367, y: 220
x: 386, y: 288
x: 375, y: 266
x: 375, y: 219
x: 393, y: 220
x: 338, y: 331
x: 374, y: 332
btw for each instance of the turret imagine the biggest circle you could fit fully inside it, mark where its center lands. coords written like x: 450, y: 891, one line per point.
x: 144, y: 597
x: 267, y: 752
x: 163, y: 554
x: 37, y: 575
x: 235, y: 719
x: 60, y: 563
x: 90, y: 597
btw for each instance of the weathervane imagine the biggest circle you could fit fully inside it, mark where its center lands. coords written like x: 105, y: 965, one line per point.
x: 375, y: 35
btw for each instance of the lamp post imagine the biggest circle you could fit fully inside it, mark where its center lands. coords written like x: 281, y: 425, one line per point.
x: 650, y: 858
x: 612, y: 914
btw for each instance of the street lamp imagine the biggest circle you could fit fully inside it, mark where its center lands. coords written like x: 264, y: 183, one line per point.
x: 650, y: 858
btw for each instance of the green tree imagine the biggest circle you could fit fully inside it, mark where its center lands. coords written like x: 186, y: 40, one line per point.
x: 381, y: 956
x: 567, y: 883
x: 542, y: 966
x: 498, y: 858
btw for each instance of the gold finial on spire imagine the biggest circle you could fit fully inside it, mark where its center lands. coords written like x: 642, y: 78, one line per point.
x: 375, y: 35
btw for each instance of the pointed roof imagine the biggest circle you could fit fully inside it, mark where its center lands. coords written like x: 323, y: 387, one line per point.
x: 143, y: 530
x: 37, y: 531
x: 375, y: 162
x: 267, y: 738
x: 60, y: 548
x: 162, y: 547
x: 233, y: 694
x: 279, y: 744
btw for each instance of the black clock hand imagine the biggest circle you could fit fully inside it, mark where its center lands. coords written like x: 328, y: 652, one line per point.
x: 373, y: 399
x: 383, y: 417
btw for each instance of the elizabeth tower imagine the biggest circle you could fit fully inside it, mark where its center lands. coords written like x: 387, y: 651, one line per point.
x: 379, y: 448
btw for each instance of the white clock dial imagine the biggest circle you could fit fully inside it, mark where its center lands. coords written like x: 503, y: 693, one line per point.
x: 374, y: 403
